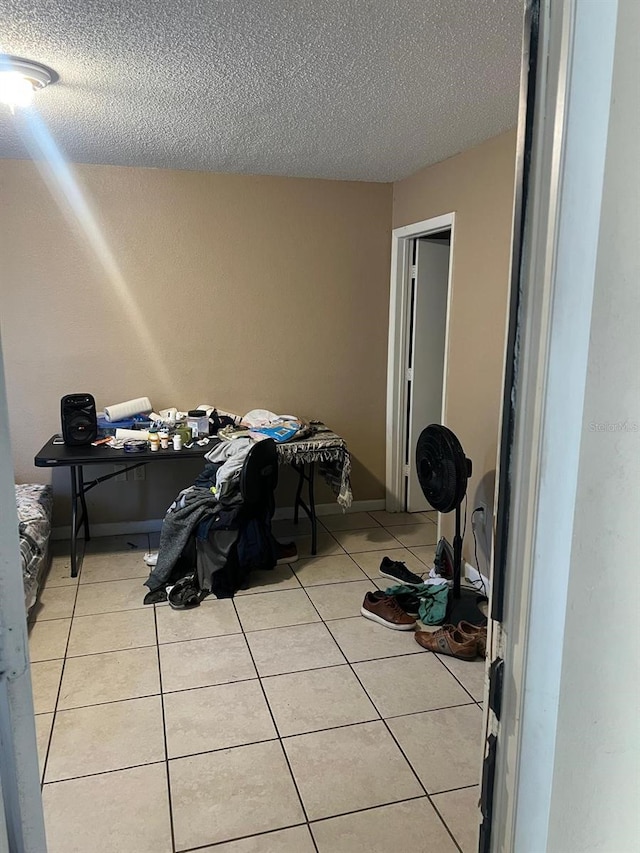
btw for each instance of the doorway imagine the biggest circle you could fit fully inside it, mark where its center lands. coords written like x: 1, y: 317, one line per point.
x: 419, y: 310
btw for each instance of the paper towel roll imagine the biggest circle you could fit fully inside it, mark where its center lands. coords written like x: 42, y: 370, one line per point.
x: 124, y: 434
x: 120, y: 411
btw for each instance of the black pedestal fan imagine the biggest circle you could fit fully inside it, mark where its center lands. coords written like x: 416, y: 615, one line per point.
x: 443, y: 471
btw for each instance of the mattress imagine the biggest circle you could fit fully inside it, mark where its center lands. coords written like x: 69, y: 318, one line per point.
x: 33, y: 502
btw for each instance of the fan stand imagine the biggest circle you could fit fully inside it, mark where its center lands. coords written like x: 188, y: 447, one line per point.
x: 443, y: 473
x: 463, y: 601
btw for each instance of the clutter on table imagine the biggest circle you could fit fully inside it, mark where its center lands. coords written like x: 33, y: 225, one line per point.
x: 134, y: 426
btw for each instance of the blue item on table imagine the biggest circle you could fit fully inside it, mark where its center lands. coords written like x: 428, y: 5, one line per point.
x: 106, y: 427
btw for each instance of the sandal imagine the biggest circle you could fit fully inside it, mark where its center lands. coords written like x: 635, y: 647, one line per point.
x: 448, y: 640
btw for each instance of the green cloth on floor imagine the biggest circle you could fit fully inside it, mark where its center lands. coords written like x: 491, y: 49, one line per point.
x: 434, y: 598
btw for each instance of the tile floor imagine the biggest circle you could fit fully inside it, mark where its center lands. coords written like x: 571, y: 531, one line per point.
x: 280, y: 721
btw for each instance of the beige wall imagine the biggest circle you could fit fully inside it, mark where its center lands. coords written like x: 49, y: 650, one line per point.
x: 478, y: 186
x: 244, y: 292
x: 240, y: 291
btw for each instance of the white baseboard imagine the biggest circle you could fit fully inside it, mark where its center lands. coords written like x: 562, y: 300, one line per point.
x: 333, y: 509
x: 473, y: 575
x: 112, y: 528
x: 153, y: 525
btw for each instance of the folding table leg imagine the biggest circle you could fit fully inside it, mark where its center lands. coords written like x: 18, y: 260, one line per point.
x: 298, y: 501
x: 74, y: 521
x: 85, y: 514
x: 310, y: 508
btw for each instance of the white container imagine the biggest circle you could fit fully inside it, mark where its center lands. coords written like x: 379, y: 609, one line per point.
x: 198, y: 420
x: 177, y: 442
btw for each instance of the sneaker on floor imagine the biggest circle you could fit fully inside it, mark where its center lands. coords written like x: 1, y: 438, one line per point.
x: 155, y: 596
x: 385, y: 610
x: 151, y: 559
x: 448, y: 640
x: 397, y: 571
x: 184, y: 594
x: 409, y: 602
x: 286, y: 552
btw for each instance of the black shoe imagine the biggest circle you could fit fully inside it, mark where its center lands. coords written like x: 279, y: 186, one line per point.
x: 397, y: 571
x: 409, y: 603
x: 155, y: 596
x: 184, y: 594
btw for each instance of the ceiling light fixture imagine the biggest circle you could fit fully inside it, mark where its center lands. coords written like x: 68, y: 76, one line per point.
x: 20, y: 79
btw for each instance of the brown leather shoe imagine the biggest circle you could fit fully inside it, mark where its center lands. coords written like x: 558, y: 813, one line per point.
x: 477, y: 633
x: 448, y: 641
x: 385, y: 610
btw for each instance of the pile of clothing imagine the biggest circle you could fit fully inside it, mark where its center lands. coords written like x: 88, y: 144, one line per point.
x: 209, y: 542
x: 259, y: 424
x: 217, y: 531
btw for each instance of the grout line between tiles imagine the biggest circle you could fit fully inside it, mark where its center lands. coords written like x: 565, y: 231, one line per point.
x: 108, y: 701
x: 243, y: 838
x: 358, y: 680
x: 206, y: 686
x: 108, y: 651
x: 369, y: 808
x: 197, y: 639
x: 421, y: 784
x: 468, y: 692
x: 164, y: 735
x: 31, y: 623
x: 224, y: 748
x: 349, y: 663
x: 102, y: 772
x: 335, y: 582
x: 444, y: 823
x: 275, y: 725
x: 277, y: 627
x: 402, y: 752
x: 305, y: 732
x: 46, y: 660
x: 433, y: 805
x: 113, y: 580
x: 64, y: 661
x: 260, y: 678
x: 461, y: 788
x: 111, y: 612
x: 428, y: 710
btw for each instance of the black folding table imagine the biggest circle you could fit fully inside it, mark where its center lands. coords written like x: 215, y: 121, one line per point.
x: 55, y: 455
x: 324, y: 447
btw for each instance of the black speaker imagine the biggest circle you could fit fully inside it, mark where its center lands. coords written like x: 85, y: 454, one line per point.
x: 79, y: 422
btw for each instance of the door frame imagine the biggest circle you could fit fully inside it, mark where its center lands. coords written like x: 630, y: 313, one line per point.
x: 564, y: 146
x: 399, y: 306
x: 20, y: 798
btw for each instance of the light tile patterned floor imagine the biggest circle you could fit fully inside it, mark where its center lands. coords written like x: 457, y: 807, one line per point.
x: 277, y: 722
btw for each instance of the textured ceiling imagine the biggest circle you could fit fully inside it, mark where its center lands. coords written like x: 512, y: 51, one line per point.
x: 347, y: 89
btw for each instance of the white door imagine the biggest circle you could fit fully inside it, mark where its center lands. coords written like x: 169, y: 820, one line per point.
x: 425, y: 374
